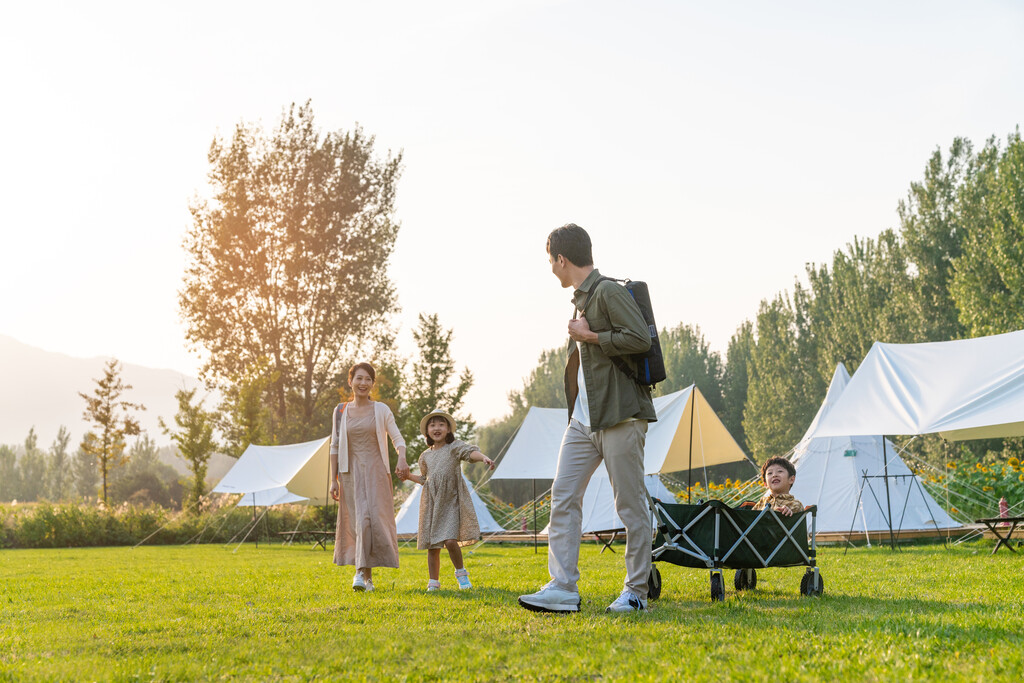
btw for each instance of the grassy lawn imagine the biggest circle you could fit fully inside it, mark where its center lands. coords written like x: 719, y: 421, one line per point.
x: 278, y: 613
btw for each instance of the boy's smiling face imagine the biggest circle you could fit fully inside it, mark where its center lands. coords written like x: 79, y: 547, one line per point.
x: 778, y: 480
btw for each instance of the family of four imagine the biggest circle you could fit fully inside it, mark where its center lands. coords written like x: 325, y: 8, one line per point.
x: 608, y: 417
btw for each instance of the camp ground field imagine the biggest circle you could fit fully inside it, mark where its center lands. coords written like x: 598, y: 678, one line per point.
x: 286, y: 613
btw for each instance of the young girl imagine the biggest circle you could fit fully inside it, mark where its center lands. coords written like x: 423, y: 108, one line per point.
x: 446, y: 509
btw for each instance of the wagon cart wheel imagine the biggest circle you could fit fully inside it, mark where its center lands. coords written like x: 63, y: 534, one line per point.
x: 717, y: 587
x: 810, y: 587
x: 819, y: 588
x: 745, y: 580
x: 654, y: 584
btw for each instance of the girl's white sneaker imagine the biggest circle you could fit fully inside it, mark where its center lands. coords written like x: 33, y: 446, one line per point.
x: 433, y: 585
x: 462, y: 576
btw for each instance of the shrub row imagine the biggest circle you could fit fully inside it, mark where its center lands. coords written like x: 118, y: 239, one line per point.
x: 67, y: 525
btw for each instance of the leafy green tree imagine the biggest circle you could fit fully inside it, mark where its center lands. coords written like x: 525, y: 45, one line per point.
x: 690, y: 360
x: 145, y: 479
x: 112, y: 419
x: 988, y: 285
x: 243, y: 416
x: 867, y: 295
x: 58, y: 468
x: 735, y: 379
x: 33, y: 469
x: 87, y: 476
x: 287, y: 270
x: 432, y: 383
x: 784, y: 390
x: 932, y: 227
x: 194, y: 439
x: 9, y: 475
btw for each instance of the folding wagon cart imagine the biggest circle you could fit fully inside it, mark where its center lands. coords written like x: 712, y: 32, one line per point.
x: 714, y: 536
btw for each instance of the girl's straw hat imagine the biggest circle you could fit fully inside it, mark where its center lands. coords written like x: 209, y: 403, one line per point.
x: 437, y: 413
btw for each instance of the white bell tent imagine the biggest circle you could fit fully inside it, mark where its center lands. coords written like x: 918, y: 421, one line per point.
x: 408, y: 517
x: 265, y: 474
x: 599, y: 502
x: 961, y: 389
x: 831, y: 474
x: 688, y: 435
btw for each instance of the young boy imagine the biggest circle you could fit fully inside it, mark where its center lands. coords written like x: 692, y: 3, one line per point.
x: 778, y: 475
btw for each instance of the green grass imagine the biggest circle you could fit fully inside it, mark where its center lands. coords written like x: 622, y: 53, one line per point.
x: 277, y: 613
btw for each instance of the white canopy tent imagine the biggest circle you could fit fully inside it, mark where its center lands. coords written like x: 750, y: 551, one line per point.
x: 408, y: 517
x: 831, y: 474
x: 687, y: 435
x: 599, y: 502
x: 962, y: 389
x: 275, y: 496
x: 301, y: 470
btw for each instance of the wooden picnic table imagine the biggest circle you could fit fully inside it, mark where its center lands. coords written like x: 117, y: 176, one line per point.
x: 997, y: 524
x: 315, y: 536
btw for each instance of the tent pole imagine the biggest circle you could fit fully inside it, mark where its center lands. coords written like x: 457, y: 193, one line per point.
x: 254, y: 519
x: 888, y: 498
x: 534, y: 482
x: 853, y: 521
x: 689, y: 468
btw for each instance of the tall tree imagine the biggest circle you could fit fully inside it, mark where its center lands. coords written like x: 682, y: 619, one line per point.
x: 432, y: 383
x: 690, y: 360
x: 932, y: 228
x: 113, y: 421
x: 59, y: 466
x: 988, y: 285
x: 194, y: 439
x: 87, y: 476
x: 735, y: 380
x: 32, y: 468
x: 287, y: 268
x: 784, y: 389
x: 9, y: 483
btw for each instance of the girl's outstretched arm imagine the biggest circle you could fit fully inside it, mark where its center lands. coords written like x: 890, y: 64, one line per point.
x: 477, y: 456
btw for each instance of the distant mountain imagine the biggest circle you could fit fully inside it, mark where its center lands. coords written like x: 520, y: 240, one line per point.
x: 40, y: 389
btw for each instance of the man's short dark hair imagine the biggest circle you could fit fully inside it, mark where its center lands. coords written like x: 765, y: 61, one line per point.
x: 785, y: 464
x: 572, y: 242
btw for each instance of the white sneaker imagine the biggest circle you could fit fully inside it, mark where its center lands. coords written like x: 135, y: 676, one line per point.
x: 358, y: 582
x: 551, y: 599
x: 627, y: 602
x: 462, y: 576
x: 433, y: 585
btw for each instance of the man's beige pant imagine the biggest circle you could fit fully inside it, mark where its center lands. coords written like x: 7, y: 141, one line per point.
x: 622, y: 449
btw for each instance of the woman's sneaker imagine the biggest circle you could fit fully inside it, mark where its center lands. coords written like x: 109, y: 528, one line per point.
x: 359, y: 583
x: 462, y: 576
x: 627, y: 602
x: 369, y: 586
x: 433, y: 585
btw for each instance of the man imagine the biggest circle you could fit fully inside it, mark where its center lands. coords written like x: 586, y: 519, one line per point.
x: 608, y: 420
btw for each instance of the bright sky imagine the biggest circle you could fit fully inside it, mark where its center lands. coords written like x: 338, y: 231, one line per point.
x: 711, y: 149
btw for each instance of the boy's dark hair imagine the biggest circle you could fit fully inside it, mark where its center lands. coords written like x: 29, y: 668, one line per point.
x: 572, y: 242
x: 787, y: 465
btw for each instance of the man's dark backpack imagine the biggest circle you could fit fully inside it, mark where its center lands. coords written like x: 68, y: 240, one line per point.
x: 650, y: 366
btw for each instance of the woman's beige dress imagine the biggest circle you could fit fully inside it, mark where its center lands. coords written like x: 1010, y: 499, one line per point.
x: 446, y: 508
x: 366, y: 535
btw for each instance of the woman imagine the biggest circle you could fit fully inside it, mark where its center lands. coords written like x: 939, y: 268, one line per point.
x: 366, y: 535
